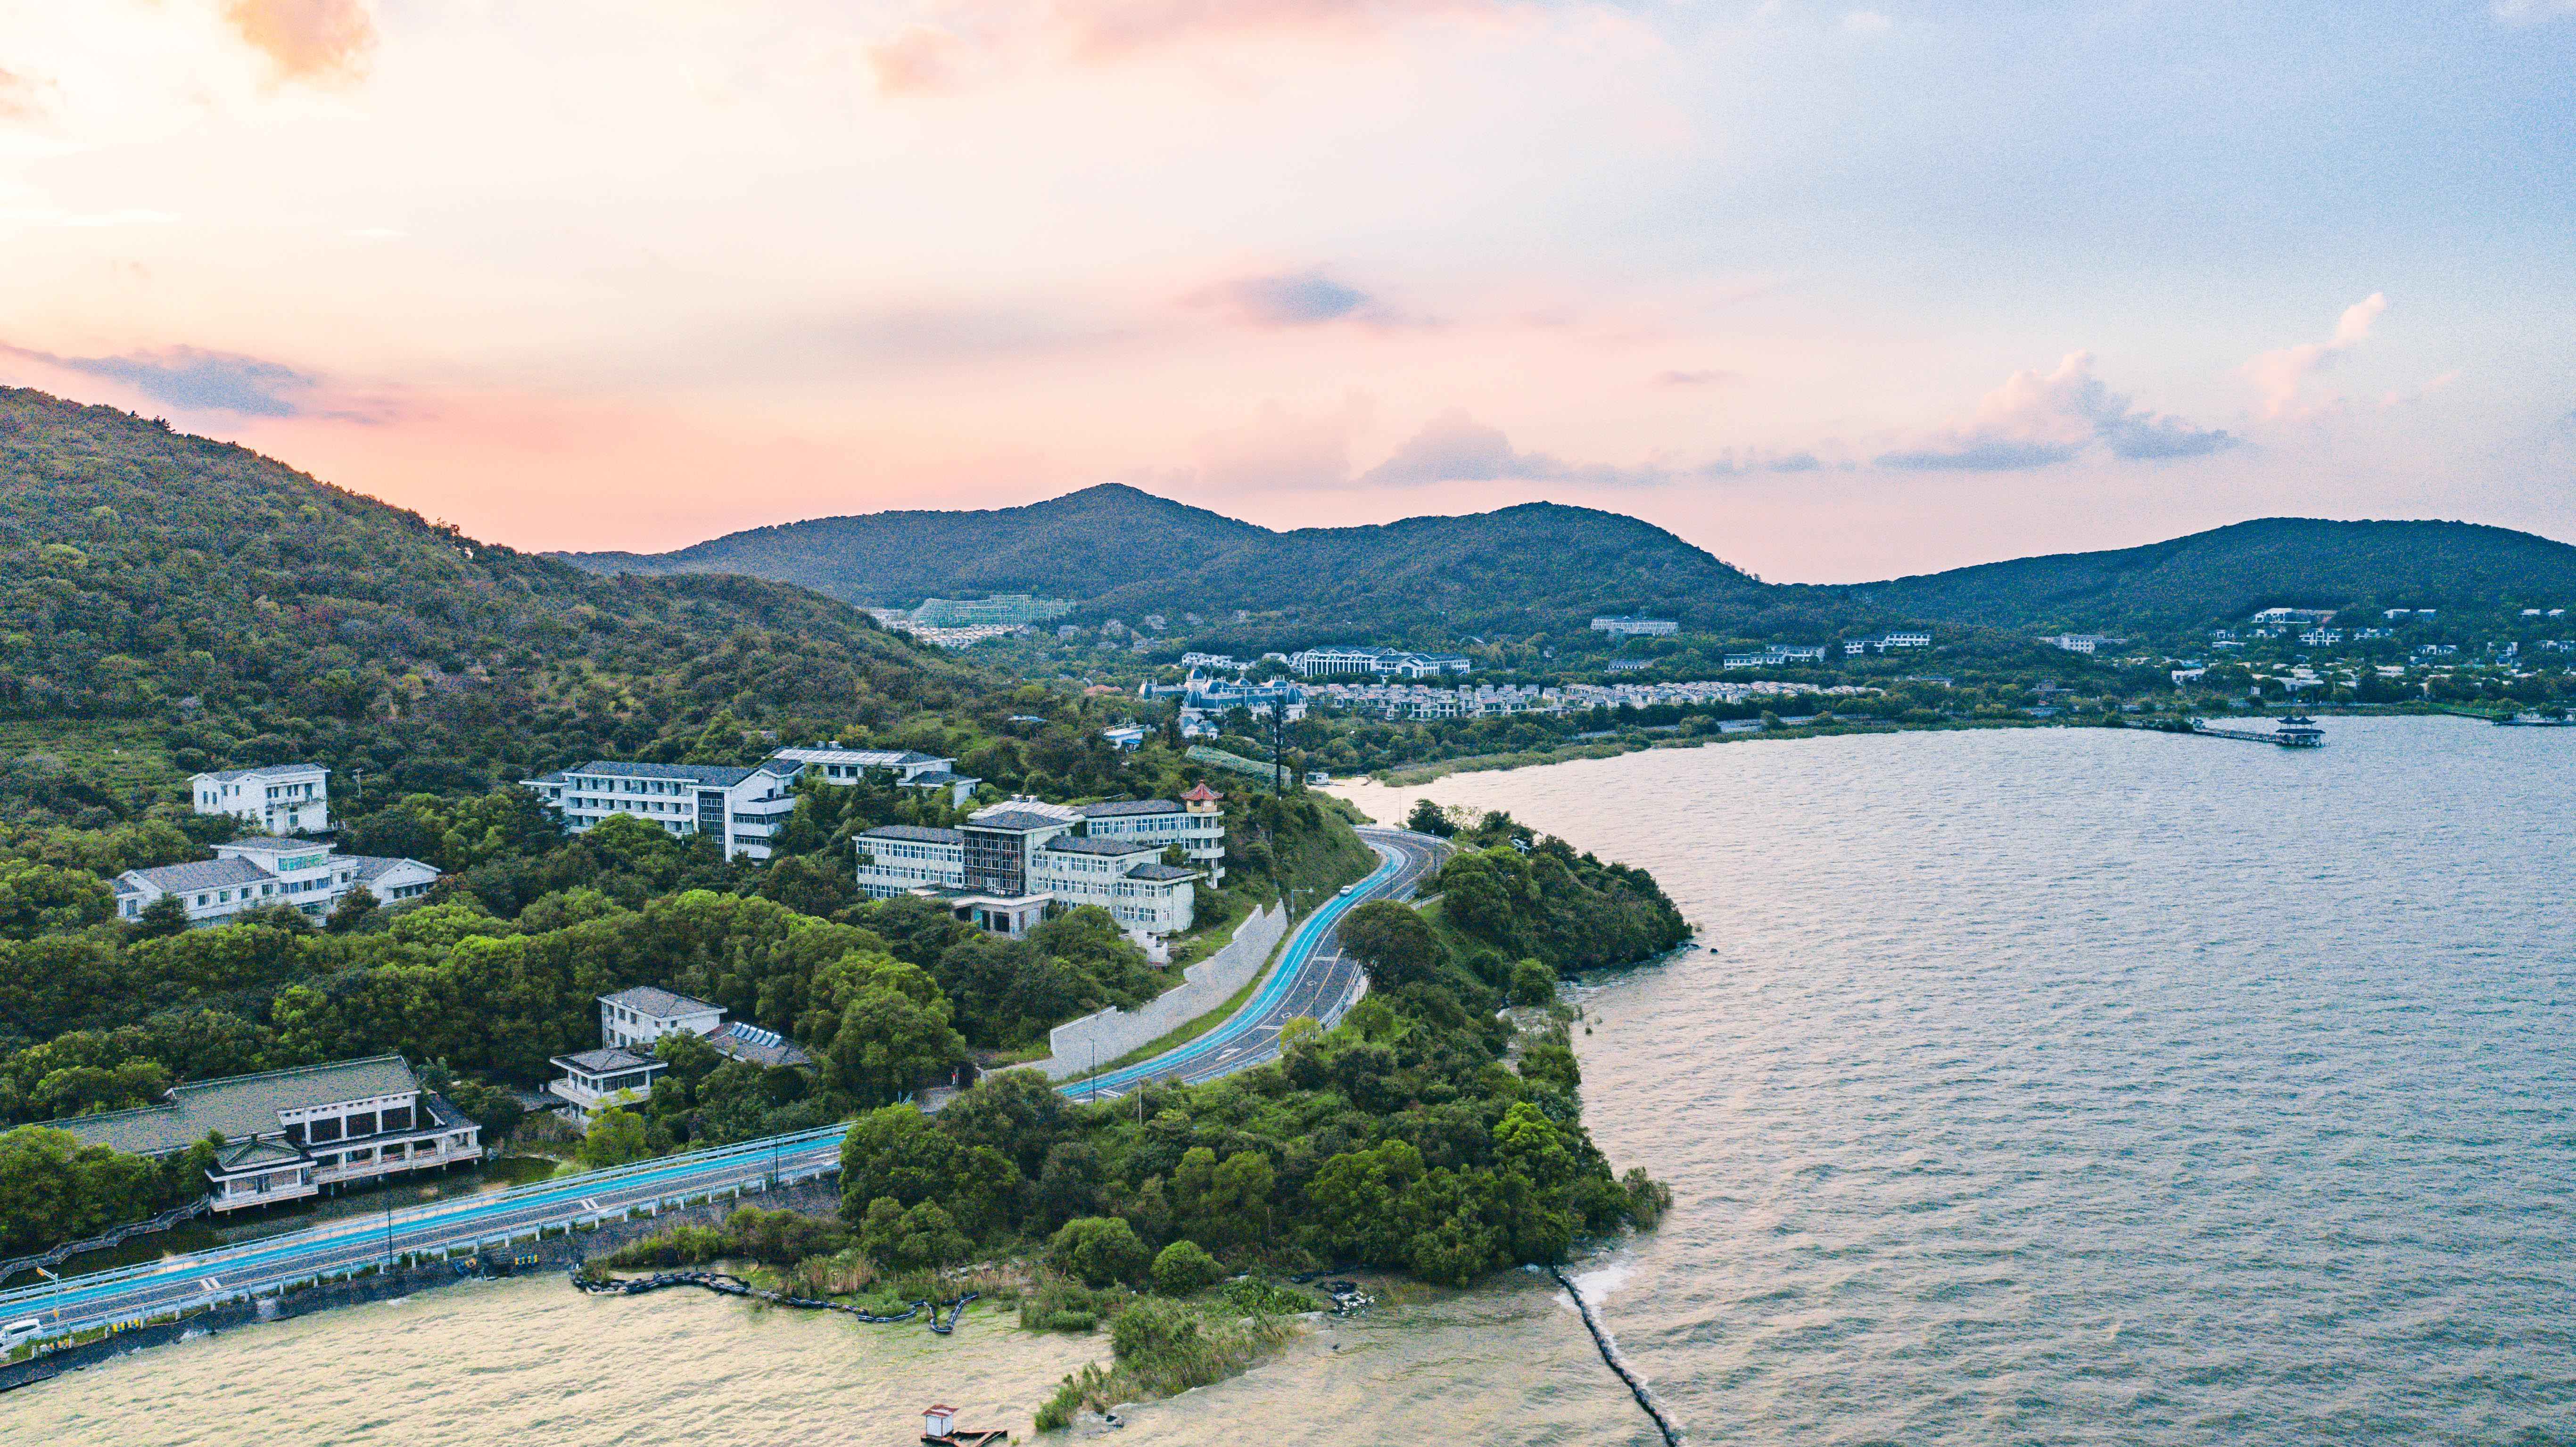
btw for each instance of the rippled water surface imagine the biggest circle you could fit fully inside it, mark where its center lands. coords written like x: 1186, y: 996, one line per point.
x: 2049, y: 1086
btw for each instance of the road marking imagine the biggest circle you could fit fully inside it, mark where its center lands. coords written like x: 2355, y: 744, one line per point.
x: 211, y: 1284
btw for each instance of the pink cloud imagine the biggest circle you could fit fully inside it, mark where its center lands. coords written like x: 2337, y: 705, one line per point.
x: 308, y: 40
x: 2037, y: 419
x: 2281, y: 374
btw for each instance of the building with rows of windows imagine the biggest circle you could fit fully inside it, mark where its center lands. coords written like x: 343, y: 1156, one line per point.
x: 1007, y: 865
x: 742, y: 807
x: 274, y: 798
x: 249, y: 873
x: 289, y: 1134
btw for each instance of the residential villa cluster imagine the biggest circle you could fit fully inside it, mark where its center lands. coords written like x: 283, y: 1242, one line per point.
x: 309, y: 875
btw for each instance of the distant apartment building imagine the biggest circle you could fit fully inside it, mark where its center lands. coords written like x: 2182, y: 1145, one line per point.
x: 1623, y: 626
x: 906, y: 768
x: 742, y: 807
x: 273, y: 798
x: 631, y: 1022
x: 1391, y: 662
x: 1775, y: 656
x: 291, y: 1134
x: 1125, y: 737
x: 1008, y: 863
x: 2083, y: 642
x: 2306, y: 617
x: 251, y: 873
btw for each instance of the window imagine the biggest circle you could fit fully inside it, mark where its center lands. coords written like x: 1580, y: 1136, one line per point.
x: 327, y: 1129
x: 363, y: 1123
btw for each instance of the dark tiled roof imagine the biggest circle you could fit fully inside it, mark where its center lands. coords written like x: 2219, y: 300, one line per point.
x: 604, y: 1062
x: 1161, y: 871
x: 1117, y: 807
x: 240, y: 1106
x: 1015, y: 819
x: 1112, y: 845
x: 204, y: 874
x: 269, y: 845
x: 713, y: 776
x: 914, y: 833
x: 254, y: 1153
x: 265, y: 770
x: 659, y: 1004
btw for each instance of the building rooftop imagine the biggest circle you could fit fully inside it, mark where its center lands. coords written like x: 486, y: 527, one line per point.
x: 239, y: 1107
x: 1161, y: 871
x: 606, y: 1061
x: 1117, y: 807
x: 268, y: 845
x: 203, y: 874
x: 765, y: 1048
x: 714, y: 776
x: 863, y: 758
x: 913, y: 833
x: 1086, y: 845
x: 1015, y: 819
x: 371, y: 866
x: 930, y: 777
x: 261, y: 771
x: 659, y: 1004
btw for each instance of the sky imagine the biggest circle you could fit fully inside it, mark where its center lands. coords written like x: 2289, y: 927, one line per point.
x: 1835, y: 291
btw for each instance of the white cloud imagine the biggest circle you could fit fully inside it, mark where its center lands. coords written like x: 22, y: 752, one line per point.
x: 1867, y: 23
x: 2036, y: 419
x: 2281, y: 374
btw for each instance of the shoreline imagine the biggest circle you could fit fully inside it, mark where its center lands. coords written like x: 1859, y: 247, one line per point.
x: 1412, y: 776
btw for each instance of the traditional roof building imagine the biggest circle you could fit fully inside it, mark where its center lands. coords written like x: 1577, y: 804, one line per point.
x: 289, y: 1134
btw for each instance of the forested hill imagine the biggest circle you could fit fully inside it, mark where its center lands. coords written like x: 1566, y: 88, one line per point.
x: 1072, y: 546
x: 1538, y: 567
x: 262, y: 615
x: 2228, y: 573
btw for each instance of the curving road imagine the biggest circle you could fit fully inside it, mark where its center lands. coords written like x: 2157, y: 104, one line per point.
x: 1313, y: 978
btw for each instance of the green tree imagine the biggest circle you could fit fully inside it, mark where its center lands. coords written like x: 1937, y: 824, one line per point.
x: 616, y: 1136
x: 1533, y: 983
x: 1182, y: 1269
x: 1101, y: 1251
x: 1393, y: 942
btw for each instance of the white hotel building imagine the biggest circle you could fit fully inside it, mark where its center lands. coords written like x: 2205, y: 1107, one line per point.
x: 742, y: 807
x: 1007, y: 864
x: 275, y: 798
x: 249, y: 873
x: 290, y: 1134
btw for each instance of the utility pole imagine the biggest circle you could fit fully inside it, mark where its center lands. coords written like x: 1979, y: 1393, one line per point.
x: 389, y: 1236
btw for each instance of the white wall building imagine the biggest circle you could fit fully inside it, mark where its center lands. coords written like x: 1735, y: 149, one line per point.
x: 249, y: 873
x: 1008, y: 864
x: 290, y: 1134
x: 1388, y: 662
x: 742, y: 807
x: 631, y: 1022
x: 1623, y: 626
x: 834, y: 764
x: 275, y: 798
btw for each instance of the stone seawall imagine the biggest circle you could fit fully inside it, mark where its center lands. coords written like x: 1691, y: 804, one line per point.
x: 1078, y: 1045
x: 554, y: 1254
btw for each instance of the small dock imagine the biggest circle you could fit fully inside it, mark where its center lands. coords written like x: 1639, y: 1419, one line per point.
x: 2296, y: 731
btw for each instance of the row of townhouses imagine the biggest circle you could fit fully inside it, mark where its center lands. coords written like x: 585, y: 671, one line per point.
x: 1007, y: 863
x: 744, y: 806
x: 289, y: 1134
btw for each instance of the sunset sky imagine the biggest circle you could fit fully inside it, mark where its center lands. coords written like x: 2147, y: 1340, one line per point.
x: 1835, y: 291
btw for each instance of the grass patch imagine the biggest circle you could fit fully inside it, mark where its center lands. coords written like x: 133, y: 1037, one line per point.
x: 1162, y: 1348
x: 118, y: 753
x: 517, y: 1171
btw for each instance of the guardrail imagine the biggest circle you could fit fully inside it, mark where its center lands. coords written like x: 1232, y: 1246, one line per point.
x: 105, y: 1239
x: 465, y: 1222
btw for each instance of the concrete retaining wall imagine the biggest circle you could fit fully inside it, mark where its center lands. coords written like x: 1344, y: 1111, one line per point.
x: 554, y: 1253
x: 1078, y: 1045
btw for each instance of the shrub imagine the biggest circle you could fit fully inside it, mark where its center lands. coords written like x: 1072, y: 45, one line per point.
x: 1152, y: 1328
x: 1183, y: 1269
x: 1100, y: 1251
x: 1533, y: 983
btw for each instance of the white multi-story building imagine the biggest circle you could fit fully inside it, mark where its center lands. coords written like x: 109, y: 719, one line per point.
x: 1623, y: 626
x: 742, y: 807
x: 834, y: 764
x: 1390, y: 662
x: 623, y: 1069
x: 290, y: 1134
x: 1776, y: 655
x: 275, y: 798
x: 249, y: 873
x: 1007, y: 864
x: 1905, y: 640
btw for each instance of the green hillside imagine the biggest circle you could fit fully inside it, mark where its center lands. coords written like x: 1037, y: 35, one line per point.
x: 2228, y: 573
x: 244, y: 611
x: 1066, y: 547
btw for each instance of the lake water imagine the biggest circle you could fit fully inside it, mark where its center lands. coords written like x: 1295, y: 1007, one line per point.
x: 2034, y: 1086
